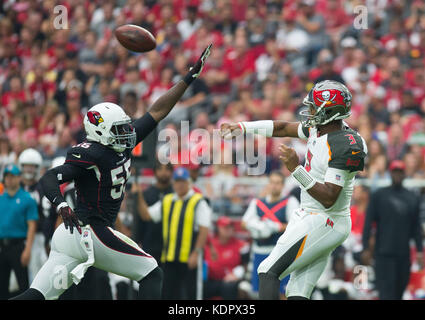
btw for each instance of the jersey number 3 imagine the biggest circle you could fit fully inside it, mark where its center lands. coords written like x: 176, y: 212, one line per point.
x: 119, y: 177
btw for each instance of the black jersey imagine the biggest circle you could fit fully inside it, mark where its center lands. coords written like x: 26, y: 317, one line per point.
x: 100, y: 190
x: 100, y: 175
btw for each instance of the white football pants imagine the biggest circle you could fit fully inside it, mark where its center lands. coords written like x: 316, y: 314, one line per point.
x: 113, y: 252
x: 304, y: 249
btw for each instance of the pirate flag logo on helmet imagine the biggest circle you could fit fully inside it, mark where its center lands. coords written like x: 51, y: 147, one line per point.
x: 94, y: 117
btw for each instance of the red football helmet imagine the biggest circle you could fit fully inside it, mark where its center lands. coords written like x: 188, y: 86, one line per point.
x: 330, y: 100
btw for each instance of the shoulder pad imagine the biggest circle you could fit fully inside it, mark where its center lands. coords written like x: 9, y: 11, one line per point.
x: 83, y: 154
x: 347, y: 150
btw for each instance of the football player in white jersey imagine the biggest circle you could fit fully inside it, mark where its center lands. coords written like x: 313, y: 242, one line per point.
x: 335, y: 153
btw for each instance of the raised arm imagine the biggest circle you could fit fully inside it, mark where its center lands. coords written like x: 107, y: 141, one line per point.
x: 161, y: 107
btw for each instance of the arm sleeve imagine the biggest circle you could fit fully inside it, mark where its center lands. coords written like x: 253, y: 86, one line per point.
x: 370, y: 218
x: 336, y: 176
x: 53, y: 178
x: 303, y: 132
x: 143, y: 126
x: 203, y: 214
x: 155, y: 211
x: 417, y: 228
x: 250, y: 212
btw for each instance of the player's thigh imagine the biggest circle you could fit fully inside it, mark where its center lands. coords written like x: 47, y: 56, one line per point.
x: 303, y: 280
x: 308, y: 238
x: 114, y: 252
x: 63, y: 241
x: 290, y: 244
x: 54, y: 276
x: 320, y: 241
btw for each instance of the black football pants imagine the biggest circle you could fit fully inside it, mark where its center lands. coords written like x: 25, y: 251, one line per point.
x: 10, y: 259
x: 392, y: 276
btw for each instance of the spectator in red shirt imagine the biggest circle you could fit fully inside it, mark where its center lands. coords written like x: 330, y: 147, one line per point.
x: 358, y: 209
x: 15, y: 94
x: 73, y: 106
x: 240, y: 62
x: 159, y: 87
x: 215, y: 74
x: 40, y: 89
x: 226, y: 257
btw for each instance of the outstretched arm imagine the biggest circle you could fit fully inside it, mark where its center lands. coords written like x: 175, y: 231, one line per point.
x: 268, y: 128
x: 162, y: 107
x: 166, y: 102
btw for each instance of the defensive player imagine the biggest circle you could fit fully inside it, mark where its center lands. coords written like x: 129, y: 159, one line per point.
x: 100, y: 168
x: 335, y: 153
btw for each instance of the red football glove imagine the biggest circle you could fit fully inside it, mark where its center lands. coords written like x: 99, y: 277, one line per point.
x: 69, y: 218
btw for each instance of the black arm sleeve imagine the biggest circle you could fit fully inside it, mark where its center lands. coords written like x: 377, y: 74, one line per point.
x: 417, y: 227
x: 143, y: 126
x: 371, y: 216
x: 53, y: 178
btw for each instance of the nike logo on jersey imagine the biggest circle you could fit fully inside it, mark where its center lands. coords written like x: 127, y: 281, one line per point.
x: 355, y: 152
x: 77, y: 155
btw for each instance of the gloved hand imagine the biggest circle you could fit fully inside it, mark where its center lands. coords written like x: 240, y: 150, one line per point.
x: 69, y: 218
x: 196, y: 70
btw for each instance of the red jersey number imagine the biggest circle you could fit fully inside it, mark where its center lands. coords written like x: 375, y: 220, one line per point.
x: 351, y: 138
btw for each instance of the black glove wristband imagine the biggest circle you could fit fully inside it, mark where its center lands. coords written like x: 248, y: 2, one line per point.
x: 188, y: 78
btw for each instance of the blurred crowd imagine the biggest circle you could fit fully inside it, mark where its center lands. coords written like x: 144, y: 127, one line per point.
x: 267, y: 54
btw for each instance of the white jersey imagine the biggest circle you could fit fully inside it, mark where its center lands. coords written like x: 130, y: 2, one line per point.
x: 336, y: 158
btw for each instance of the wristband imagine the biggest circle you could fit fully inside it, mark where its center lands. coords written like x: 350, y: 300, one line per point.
x: 61, y: 205
x: 304, y: 179
x: 262, y: 127
x: 189, y: 78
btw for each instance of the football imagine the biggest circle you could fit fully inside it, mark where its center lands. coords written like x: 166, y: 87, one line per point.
x: 135, y: 38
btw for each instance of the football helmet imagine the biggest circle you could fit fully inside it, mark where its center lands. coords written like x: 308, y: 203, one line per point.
x: 327, y: 101
x: 108, y: 124
x: 32, y: 158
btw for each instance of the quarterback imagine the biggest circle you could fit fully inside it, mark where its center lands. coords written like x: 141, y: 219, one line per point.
x: 335, y: 153
x: 100, y: 168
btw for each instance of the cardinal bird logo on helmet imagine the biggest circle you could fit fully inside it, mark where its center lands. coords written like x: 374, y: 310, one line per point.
x: 94, y: 117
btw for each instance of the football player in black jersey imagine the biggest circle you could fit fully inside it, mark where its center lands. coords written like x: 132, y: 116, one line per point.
x: 100, y: 168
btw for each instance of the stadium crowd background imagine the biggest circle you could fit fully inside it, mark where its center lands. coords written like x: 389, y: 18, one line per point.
x: 266, y: 56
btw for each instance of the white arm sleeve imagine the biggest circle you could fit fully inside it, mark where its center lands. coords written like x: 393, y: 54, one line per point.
x: 336, y: 176
x: 155, y: 211
x: 301, y: 134
x: 203, y: 214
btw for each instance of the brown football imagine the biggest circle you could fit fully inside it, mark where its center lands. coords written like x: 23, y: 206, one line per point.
x: 135, y: 38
